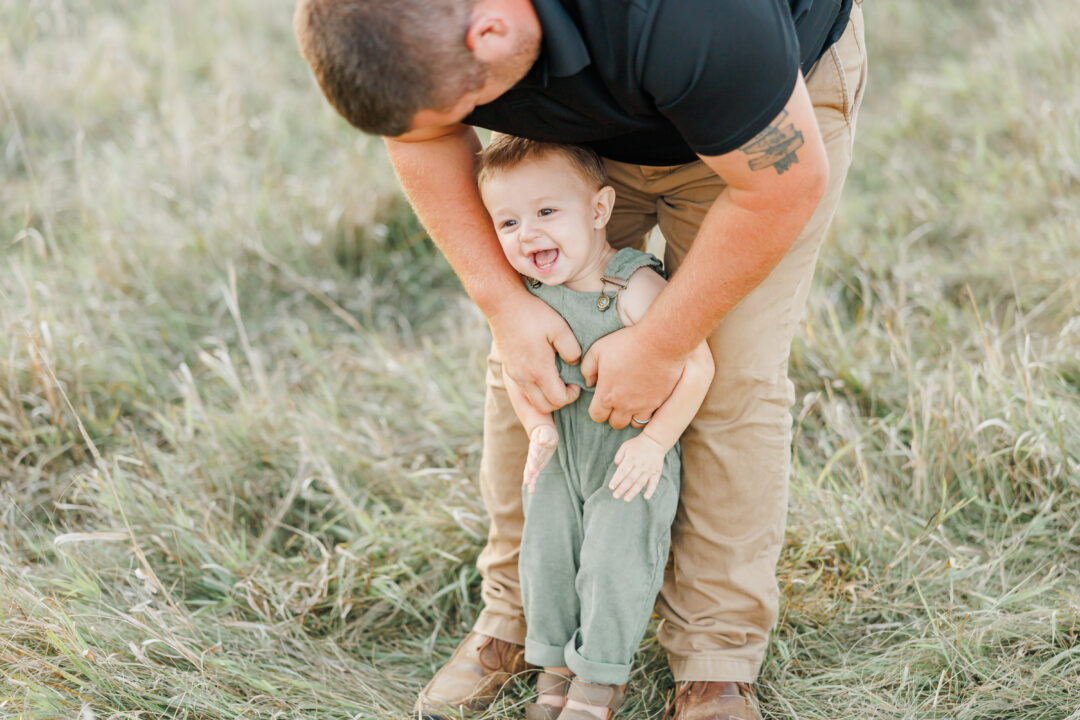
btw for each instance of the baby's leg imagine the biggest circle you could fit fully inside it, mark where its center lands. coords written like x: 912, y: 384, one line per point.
x: 623, y: 553
x: 547, y: 567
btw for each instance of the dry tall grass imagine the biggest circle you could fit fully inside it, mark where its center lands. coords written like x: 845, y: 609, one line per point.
x: 237, y: 472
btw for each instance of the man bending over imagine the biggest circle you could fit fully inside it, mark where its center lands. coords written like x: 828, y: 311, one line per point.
x: 730, y: 126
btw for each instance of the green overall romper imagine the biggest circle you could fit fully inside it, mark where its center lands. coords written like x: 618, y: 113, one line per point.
x: 591, y: 565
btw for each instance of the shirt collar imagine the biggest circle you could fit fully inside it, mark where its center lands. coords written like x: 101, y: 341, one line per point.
x: 563, y: 51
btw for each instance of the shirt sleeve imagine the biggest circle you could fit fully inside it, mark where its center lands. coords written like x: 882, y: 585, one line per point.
x: 720, y: 71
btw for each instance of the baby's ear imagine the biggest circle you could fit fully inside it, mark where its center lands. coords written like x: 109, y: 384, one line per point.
x: 603, y: 203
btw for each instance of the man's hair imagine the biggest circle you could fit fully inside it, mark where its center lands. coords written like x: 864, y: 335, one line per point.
x: 506, y: 152
x: 379, y: 62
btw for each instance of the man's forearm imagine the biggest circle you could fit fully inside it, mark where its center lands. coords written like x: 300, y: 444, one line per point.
x: 437, y: 176
x: 774, y: 183
x: 738, y: 245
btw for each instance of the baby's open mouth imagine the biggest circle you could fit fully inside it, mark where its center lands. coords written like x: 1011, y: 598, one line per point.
x: 544, y: 259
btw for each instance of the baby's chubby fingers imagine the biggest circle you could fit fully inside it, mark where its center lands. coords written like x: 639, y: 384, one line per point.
x: 620, y: 475
x: 636, y: 481
x: 629, y: 480
x: 654, y: 482
x: 529, y: 479
x: 643, y: 480
x: 542, y: 443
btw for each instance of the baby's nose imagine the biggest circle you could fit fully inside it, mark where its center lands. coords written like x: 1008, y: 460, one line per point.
x: 529, y: 232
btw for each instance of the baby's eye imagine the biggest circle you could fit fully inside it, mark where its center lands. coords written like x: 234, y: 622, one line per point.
x: 546, y: 211
x: 508, y: 223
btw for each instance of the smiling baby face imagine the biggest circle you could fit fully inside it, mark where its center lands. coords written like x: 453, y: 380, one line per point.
x: 549, y: 217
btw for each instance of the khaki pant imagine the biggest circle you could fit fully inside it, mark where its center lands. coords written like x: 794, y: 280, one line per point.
x: 719, y: 598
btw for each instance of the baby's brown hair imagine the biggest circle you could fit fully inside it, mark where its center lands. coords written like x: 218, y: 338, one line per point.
x: 506, y: 152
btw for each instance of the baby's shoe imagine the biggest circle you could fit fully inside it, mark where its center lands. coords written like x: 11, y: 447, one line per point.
x: 609, y: 696
x: 547, y: 684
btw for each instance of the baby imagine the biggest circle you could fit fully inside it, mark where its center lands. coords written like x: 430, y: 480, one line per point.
x: 592, y: 552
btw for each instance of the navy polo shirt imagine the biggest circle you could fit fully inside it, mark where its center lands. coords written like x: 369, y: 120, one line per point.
x: 657, y: 82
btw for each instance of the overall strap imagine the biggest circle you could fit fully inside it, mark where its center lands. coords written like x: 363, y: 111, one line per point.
x: 625, y: 263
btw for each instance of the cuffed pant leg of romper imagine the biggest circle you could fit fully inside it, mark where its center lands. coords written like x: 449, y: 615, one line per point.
x: 590, y: 565
x: 548, y: 564
x: 624, y: 549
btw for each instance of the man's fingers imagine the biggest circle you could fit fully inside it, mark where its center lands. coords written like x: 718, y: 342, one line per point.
x: 573, y: 392
x: 598, y: 411
x: 558, y: 393
x: 536, y: 397
x: 554, y: 390
x: 550, y: 394
x: 619, y: 419
x: 589, y: 365
x: 567, y: 346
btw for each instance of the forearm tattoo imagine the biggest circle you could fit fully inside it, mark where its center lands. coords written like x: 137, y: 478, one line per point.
x: 775, y: 146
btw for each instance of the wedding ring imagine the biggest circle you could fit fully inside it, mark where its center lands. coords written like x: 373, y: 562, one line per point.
x: 639, y: 422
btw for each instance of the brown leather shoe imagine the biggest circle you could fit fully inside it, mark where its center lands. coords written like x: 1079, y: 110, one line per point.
x: 714, y: 701
x: 471, y: 678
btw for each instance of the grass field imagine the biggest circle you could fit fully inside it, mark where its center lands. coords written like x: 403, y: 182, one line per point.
x: 238, y: 469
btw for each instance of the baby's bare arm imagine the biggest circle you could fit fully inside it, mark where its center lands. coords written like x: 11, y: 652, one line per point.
x: 640, y: 459
x: 540, y: 427
x: 670, y: 421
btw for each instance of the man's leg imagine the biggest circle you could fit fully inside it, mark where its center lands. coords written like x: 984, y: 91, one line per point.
x: 494, y: 650
x: 503, y: 461
x: 634, y: 214
x: 719, y: 599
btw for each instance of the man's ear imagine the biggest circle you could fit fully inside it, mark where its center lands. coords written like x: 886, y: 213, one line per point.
x: 603, y: 203
x: 487, y: 37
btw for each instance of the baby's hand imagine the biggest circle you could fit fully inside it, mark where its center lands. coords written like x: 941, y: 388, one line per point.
x: 542, y: 444
x: 640, y: 461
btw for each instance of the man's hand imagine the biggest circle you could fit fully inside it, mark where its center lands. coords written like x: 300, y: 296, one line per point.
x: 528, y: 333
x: 640, y: 460
x: 632, y: 377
